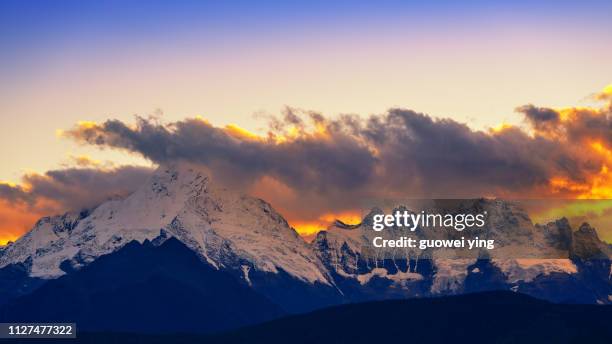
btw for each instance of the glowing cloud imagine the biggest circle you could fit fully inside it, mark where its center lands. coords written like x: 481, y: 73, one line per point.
x: 313, y: 168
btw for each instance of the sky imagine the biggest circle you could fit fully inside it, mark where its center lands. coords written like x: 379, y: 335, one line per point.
x: 69, y: 67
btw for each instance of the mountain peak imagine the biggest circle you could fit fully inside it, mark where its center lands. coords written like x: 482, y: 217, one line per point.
x: 225, y: 228
x: 587, y: 245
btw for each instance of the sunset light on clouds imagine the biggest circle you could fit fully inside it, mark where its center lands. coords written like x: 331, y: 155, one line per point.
x: 314, y: 108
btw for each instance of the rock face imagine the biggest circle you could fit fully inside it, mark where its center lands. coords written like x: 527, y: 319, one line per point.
x: 246, y: 239
x: 586, y: 244
x: 558, y: 234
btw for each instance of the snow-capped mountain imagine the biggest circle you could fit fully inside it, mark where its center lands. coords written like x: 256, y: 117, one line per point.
x: 227, y: 229
x: 245, y: 238
x: 527, y: 254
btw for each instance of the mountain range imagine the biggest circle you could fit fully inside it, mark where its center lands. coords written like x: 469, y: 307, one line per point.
x: 184, y: 255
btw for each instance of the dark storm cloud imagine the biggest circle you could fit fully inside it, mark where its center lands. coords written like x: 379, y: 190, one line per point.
x: 399, y: 153
x: 575, y: 125
x: 75, y: 188
x: 591, y: 125
x: 306, y: 161
x: 447, y: 157
x: 540, y: 118
x: 14, y: 193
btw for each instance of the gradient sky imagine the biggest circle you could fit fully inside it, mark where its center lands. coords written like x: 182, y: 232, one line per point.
x: 62, y: 62
x: 69, y: 66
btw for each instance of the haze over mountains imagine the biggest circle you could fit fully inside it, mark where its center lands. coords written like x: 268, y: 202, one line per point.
x: 181, y: 245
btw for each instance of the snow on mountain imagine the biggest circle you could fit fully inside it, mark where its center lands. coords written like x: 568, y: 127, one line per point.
x: 42, y: 247
x: 527, y: 270
x: 246, y: 236
x: 223, y: 227
x: 347, y: 252
x: 519, y: 244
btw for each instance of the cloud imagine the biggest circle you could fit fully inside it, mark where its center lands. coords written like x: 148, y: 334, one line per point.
x: 542, y: 119
x: 58, y: 191
x: 308, y: 164
x: 604, y: 95
x: 312, y: 167
x: 72, y: 188
x: 301, y: 159
x: 14, y: 193
x: 85, y: 161
x: 15, y: 219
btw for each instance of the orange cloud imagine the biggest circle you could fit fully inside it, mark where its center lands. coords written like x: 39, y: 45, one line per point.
x: 307, y: 221
x: 85, y: 161
x: 241, y: 133
x: 314, y: 169
x: 58, y: 191
x: 605, y: 94
x: 15, y: 219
